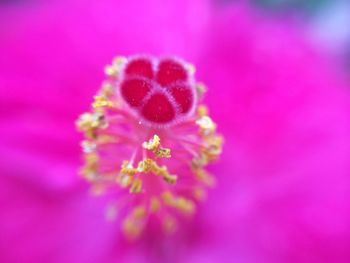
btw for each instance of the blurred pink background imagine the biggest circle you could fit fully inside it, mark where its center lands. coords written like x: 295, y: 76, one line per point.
x: 278, y: 88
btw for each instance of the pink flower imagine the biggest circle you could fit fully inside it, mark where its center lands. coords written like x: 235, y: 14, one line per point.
x: 283, y: 179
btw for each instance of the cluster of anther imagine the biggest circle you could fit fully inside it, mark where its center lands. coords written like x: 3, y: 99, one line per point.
x: 160, y: 92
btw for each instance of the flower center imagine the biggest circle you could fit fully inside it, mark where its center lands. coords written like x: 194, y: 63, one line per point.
x: 147, y: 142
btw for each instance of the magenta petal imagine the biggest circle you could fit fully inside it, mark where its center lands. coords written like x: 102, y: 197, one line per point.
x: 283, y: 182
x: 284, y: 176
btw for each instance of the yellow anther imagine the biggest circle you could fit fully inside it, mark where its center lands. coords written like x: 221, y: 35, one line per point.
x: 150, y: 166
x: 131, y: 228
x: 107, y: 90
x: 91, y: 160
x: 163, y: 172
x: 181, y: 203
x: 209, y: 153
x: 139, y: 212
x: 168, y: 198
x: 200, y: 161
x: 162, y: 153
x: 89, y: 122
x: 88, y: 146
x: 124, y: 180
x: 128, y: 169
x: 136, y: 186
x: 201, y: 90
x: 159, y: 170
x: 170, y: 179
x: 145, y: 166
x: 206, y: 124
x: 89, y: 170
x: 154, y: 205
x: 214, y: 148
x: 119, y: 61
x: 202, y: 111
x: 134, y: 222
x: 191, y: 68
x: 101, y: 102
x: 152, y: 144
x: 98, y: 120
x: 84, y: 122
x: 184, y: 205
x: 111, y: 71
x: 204, y: 177
x: 127, y: 172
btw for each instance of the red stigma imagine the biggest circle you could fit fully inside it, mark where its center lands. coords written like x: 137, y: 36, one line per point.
x: 159, y: 91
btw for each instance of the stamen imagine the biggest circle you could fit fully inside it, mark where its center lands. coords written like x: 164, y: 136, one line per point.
x: 206, y: 124
x: 113, y: 70
x: 134, y: 223
x: 162, y: 153
x: 154, y: 205
x: 201, y: 90
x: 88, y: 146
x: 182, y: 204
x: 154, y: 146
x: 136, y: 186
x: 204, y: 177
x: 128, y: 169
x: 101, y: 102
x: 150, y: 166
x: 89, y: 123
